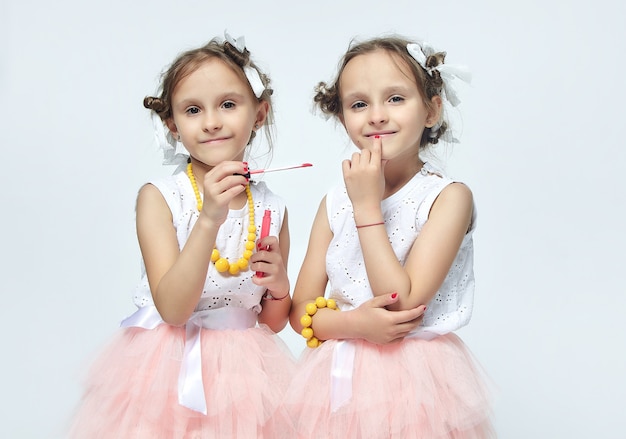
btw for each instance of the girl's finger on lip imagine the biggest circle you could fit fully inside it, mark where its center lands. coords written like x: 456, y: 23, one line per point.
x: 378, y: 143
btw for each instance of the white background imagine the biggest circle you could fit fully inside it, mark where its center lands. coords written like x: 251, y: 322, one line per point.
x: 542, y: 147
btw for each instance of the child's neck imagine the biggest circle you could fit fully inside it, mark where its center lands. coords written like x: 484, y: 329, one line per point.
x: 398, y: 173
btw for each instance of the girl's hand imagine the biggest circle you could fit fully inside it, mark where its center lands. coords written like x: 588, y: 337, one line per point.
x: 378, y: 325
x: 221, y: 186
x: 364, y: 175
x: 269, y: 260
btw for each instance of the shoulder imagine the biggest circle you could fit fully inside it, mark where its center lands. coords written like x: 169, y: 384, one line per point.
x: 447, y: 190
x: 159, y: 195
x: 455, y: 202
x: 457, y: 192
x: 166, y: 184
x: 336, y: 196
x: 150, y: 200
x: 321, y: 228
x: 157, y: 186
x: 455, y: 195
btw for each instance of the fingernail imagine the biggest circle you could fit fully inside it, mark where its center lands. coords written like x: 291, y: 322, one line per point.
x: 245, y: 167
x: 376, y: 136
x: 394, y: 295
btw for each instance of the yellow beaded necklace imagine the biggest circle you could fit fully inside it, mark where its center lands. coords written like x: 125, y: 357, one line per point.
x: 221, y: 264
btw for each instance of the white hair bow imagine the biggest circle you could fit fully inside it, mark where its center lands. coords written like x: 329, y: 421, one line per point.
x: 251, y: 73
x: 450, y: 74
x: 239, y: 43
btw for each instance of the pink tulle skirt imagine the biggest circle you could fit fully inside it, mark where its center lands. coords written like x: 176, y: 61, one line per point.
x: 132, y: 388
x: 411, y: 389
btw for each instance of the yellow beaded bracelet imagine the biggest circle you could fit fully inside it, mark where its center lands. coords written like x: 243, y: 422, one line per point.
x: 307, y: 319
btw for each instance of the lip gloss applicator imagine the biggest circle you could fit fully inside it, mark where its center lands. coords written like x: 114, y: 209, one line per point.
x: 283, y: 168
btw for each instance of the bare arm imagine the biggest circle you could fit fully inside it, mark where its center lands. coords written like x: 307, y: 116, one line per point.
x: 371, y: 321
x: 432, y: 253
x: 273, y: 263
x: 176, y: 277
x: 438, y: 243
x: 430, y: 257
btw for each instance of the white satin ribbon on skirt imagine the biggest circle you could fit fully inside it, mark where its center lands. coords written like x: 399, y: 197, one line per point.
x: 343, y: 367
x: 190, y: 384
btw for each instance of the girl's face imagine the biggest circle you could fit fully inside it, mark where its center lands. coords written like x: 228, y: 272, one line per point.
x: 379, y: 96
x: 214, y: 112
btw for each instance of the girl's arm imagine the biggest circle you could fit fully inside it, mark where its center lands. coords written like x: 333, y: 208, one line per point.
x: 434, y: 249
x: 371, y: 321
x: 177, y: 277
x: 273, y: 263
x: 431, y: 256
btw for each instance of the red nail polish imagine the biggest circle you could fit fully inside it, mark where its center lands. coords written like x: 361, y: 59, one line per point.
x: 376, y: 136
x: 394, y: 295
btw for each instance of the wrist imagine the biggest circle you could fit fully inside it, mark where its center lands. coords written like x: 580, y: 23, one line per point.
x: 363, y: 226
x: 352, y: 324
x: 368, y: 215
x: 272, y: 295
x: 208, y: 223
x: 306, y: 321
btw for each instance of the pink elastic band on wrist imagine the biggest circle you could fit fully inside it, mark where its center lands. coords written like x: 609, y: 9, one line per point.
x: 370, y: 225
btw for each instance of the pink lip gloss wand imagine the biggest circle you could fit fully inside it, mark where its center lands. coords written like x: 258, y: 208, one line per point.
x: 265, y: 230
x: 284, y: 168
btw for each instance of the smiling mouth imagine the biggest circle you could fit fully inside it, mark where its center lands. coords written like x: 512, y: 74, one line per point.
x: 219, y: 139
x: 381, y: 133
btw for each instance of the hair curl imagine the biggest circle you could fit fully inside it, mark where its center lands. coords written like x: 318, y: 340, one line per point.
x: 188, y: 62
x: 328, y: 95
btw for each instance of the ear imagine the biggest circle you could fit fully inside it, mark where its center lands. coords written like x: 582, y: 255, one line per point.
x: 340, y: 117
x: 169, y: 123
x: 262, y: 112
x: 434, y: 112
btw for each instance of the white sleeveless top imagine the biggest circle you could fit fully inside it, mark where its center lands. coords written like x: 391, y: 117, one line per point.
x: 405, y: 213
x: 219, y: 290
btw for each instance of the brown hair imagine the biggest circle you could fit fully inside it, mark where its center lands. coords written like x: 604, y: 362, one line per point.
x: 328, y: 96
x: 188, y: 62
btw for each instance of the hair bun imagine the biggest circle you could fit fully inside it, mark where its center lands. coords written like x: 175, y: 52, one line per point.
x: 435, y: 59
x: 155, y: 104
x: 241, y: 59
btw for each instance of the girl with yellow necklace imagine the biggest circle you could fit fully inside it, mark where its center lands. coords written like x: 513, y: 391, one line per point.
x: 202, y: 348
